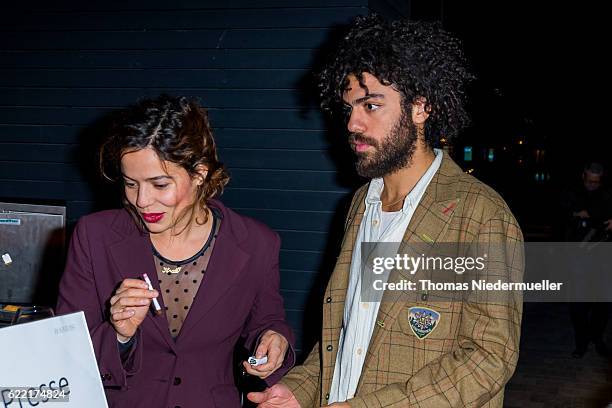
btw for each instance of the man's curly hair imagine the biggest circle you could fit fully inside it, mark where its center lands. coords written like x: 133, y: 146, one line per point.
x: 418, y: 59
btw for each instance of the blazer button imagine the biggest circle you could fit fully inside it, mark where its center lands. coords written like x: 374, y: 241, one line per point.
x: 177, y: 380
x: 107, y: 377
x: 424, y: 296
x: 328, y: 300
x: 326, y: 396
x: 330, y: 348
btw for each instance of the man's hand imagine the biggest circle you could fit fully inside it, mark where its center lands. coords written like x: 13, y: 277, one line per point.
x: 273, y: 345
x: 277, y: 396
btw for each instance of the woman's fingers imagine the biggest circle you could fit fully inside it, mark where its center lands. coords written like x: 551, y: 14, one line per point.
x: 132, y: 283
x: 134, y: 294
x: 122, y: 315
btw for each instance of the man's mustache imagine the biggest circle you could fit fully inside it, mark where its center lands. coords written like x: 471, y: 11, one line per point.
x: 361, y: 138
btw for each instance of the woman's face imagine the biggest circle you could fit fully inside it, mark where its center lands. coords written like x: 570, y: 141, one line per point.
x: 159, y: 190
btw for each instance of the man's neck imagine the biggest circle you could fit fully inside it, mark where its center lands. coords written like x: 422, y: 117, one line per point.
x: 400, y: 183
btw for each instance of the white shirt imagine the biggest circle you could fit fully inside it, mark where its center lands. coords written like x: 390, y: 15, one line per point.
x: 360, y: 317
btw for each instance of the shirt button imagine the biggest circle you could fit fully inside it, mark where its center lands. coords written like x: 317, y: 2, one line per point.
x: 375, y: 222
x: 328, y: 300
x: 177, y: 380
x: 359, y: 351
x: 330, y: 348
x: 365, y: 305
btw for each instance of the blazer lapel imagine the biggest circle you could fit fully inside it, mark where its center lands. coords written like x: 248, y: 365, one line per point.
x: 133, y: 257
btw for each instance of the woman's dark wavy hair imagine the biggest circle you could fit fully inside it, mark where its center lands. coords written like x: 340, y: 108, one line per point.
x: 418, y: 59
x: 178, y: 130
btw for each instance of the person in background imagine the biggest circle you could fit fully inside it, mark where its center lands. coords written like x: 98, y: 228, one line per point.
x: 400, y: 86
x: 587, y: 213
x: 214, y: 273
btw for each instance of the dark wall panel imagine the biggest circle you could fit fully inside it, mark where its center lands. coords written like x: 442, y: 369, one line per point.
x: 65, y: 65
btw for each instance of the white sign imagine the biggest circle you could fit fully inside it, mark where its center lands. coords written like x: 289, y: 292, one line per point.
x: 50, y: 360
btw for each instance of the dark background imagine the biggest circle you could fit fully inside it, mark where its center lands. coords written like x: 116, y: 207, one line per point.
x: 539, y: 102
x: 65, y: 66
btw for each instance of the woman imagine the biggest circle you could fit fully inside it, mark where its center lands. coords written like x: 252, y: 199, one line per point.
x: 214, y: 272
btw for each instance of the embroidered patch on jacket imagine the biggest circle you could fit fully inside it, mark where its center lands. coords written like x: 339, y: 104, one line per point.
x: 423, y: 321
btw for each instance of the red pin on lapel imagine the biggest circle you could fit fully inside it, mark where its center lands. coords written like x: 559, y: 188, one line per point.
x: 448, y: 208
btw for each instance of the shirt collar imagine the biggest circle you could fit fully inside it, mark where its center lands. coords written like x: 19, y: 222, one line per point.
x: 412, y: 199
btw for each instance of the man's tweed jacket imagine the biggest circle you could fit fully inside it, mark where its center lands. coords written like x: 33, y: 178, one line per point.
x: 469, y: 357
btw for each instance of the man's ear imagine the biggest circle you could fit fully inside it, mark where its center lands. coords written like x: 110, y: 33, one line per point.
x: 420, y: 110
x: 202, y: 172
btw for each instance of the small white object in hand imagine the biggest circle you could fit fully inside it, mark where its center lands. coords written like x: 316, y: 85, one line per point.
x: 257, y: 361
x: 7, y: 259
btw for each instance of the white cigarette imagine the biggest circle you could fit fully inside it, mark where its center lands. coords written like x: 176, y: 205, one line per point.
x: 257, y: 361
x: 155, y: 302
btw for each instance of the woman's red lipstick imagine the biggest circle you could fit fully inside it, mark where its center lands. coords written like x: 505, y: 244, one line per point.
x: 152, y: 217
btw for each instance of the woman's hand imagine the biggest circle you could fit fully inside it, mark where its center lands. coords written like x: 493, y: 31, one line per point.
x: 129, y: 307
x: 274, y: 346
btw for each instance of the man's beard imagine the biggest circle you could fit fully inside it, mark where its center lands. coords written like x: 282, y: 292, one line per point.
x: 394, y: 153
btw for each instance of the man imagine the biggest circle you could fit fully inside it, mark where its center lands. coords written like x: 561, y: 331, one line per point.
x: 401, y: 85
x: 587, y: 214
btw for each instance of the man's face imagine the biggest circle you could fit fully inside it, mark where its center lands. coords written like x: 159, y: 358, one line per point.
x: 591, y: 181
x: 382, y: 135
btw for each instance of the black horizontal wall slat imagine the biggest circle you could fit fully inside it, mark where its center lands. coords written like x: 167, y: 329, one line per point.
x: 272, y: 138
x: 52, y: 190
x: 120, y: 97
x: 285, y: 179
x: 138, y: 5
x: 297, y: 280
x: 300, y: 260
x: 278, y: 159
x: 160, y: 40
x: 294, y: 299
x: 279, y: 199
x: 225, y: 137
x: 54, y: 153
x: 291, y: 219
x: 36, y: 133
x: 155, y: 78
x: 239, y: 118
x: 126, y: 59
x: 191, y: 20
x: 303, y: 240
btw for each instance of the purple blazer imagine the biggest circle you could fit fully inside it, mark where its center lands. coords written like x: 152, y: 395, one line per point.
x: 239, y: 297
